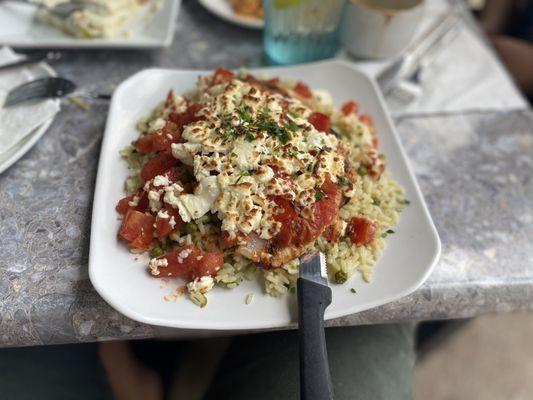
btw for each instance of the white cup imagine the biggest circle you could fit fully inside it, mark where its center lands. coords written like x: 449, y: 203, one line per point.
x: 379, y: 28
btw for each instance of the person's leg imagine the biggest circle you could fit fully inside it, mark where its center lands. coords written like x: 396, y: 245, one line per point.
x: 367, y: 362
x: 128, y: 377
x: 517, y: 56
x: 70, y: 372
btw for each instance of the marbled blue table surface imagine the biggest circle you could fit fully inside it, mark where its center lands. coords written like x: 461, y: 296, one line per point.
x: 475, y: 170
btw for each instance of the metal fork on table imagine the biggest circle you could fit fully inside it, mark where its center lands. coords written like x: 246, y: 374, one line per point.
x: 47, y: 88
x: 412, y: 61
x: 64, y: 9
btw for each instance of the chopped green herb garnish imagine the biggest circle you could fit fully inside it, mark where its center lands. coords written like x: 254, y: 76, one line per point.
x: 353, y: 290
x: 156, y: 252
x: 245, y: 115
x: 292, y: 126
x: 377, y: 202
x: 341, y: 276
x: 386, y: 233
x: 362, y: 170
x: 406, y: 202
x: 243, y: 173
x: 323, y: 141
x: 319, y: 195
x: 343, y: 181
x: 293, y: 114
x: 229, y: 133
x: 310, y: 167
x: 249, y: 137
x: 292, y: 289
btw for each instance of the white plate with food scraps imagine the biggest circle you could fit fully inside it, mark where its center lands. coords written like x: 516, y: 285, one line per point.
x: 224, y: 10
x: 154, y: 28
x: 120, y: 277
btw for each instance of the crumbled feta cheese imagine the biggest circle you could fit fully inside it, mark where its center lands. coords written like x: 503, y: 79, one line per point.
x: 155, y: 263
x: 172, y: 222
x: 163, y: 214
x: 134, y: 202
x: 194, y: 206
x: 161, y: 180
x: 244, y: 155
x: 154, y: 199
x: 185, y: 151
x: 201, y: 285
x: 172, y: 193
x: 157, y: 124
x: 323, y: 96
x: 183, y: 255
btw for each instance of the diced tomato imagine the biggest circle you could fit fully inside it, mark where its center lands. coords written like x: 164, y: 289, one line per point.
x: 145, y: 144
x: 303, y: 90
x: 208, y: 265
x: 329, y: 188
x: 288, y: 212
x: 170, y: 99
x: 222, y: 75
x: 226, y: 241
x: 324, y: 212
x: 182, y: 174
x: 186, y: 117
x: 297, y: 230
x: 330, y: 234
x: 273, y: 81
x: 350, y: 107
x: 190, y: 113
x: 160, y: 140
x: 319, y: 121
x: 190, y: 262
x: 143, y: 200
x: 368, y: 120
x: 163, y: 139
x: 285, y: 236
x: 361, y: 231
x: 123, y: 205
x: 157, y: 165
x: 163, y: 226
x: 162, y: 143
x: 137, y: 228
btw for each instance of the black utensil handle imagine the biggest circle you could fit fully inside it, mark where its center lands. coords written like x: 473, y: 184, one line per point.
x: 315, y: 379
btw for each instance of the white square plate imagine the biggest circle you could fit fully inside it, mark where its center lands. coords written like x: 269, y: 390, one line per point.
x: 19, y: 28
x: 123, y: 281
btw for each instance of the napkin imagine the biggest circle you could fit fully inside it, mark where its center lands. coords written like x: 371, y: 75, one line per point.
x: 463, y: 74
x: 19, y: 121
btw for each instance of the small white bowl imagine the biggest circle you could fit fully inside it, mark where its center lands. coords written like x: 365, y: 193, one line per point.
x: 377, y: 29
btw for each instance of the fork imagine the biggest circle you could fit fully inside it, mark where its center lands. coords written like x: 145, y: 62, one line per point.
x: 48, y: 88
x: 64, y: 9
x: 314, y: 296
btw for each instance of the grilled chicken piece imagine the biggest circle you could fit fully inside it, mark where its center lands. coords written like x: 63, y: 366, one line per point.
x: 286, y: 254
x: 255, y: 249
